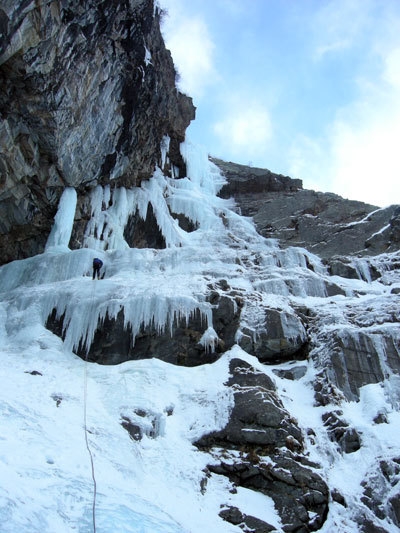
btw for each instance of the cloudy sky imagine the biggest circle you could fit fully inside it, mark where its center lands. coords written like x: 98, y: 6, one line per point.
x: 306, y: 88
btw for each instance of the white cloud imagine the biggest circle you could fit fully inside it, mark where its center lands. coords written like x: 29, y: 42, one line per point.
x: 331, y: 47
x: 366, y: 163
x: 245, y: 128
x: 392, y: 68
x: 306, y: 157
x: 359, y: 155
x: 338, y: 24
x: 191, y: 47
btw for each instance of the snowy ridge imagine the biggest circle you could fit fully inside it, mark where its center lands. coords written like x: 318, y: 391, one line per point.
x: 155, y: 485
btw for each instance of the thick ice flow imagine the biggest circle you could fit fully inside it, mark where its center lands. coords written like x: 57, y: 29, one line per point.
x: 154, y: 485
x: 63, y: 221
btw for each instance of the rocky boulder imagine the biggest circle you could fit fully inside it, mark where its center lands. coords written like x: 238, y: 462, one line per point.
x: 234, y: 516
x: 261, y: 449
x: 347, y: 438
x: 278, y: 336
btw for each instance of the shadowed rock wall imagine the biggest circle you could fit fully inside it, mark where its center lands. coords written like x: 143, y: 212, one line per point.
x: 87, y: 95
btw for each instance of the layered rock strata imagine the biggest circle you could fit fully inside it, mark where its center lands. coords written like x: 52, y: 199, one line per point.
x: 87, y: 96
x: 323, y: 223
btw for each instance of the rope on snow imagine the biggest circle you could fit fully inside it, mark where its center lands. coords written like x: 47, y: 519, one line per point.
x: 87, y: 441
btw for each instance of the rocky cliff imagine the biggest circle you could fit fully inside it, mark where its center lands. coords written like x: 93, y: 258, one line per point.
x: 294, y: 360
x: 324, y: 223
x: 87, y: 96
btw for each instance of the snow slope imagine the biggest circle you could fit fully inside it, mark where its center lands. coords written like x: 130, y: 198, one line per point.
x: 51, y: 399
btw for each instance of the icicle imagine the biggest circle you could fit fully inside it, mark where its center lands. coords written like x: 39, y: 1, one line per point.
x: 164, y: 150
x: 209, y: 340
x: 199, y: 169
x: 363, y: 271
x: 83, y: 310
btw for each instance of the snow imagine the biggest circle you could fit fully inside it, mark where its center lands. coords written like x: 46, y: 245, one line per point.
x: 366, y: 218
x: 154, y: 485
x: 147, y: 56
x: 382, y: 230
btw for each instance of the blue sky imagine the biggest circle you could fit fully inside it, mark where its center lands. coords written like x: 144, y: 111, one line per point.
x: 305, y: 88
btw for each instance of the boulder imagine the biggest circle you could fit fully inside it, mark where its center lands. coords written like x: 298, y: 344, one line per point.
x: 293, y: 373
x: 246, y: 522
x: 279, y: 336
x: 258, y: 417
x: 339, y: 431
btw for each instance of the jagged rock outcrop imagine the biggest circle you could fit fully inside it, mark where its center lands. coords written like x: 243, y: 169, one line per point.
x: 339, y: 431
x: 261, y: 448
x: 361, y: 349
x: 87, y: 96
x: 323, y: 223
x: 243, y: 180
x: 382, y: 490
x: 280, y: 336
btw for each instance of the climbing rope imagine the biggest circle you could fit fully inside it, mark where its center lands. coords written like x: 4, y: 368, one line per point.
x: 89, y: 451
x: 87, y: 441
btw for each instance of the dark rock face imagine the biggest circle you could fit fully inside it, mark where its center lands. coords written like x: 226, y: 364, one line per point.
x: 382, y: 491
x: 234, y: 516
x: 263, y: 446
x: 242, y: 180
x: 113, y: 341
x: 87, y: 95
x: 271, y: 343
x: 356, y: 361
x: 356, y: 357
x: 141, y: 233
x: 323, y: 223
x: 113, y: 344
x: 338, y: 430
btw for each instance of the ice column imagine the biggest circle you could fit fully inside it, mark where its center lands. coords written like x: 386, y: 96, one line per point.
x: 60, y: 234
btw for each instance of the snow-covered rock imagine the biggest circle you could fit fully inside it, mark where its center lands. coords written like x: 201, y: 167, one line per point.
x: 214, y: 379
x: 178, y: 448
